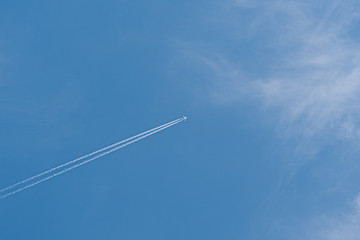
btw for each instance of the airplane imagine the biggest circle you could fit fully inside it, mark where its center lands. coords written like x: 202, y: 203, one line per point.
x: 185, y: 118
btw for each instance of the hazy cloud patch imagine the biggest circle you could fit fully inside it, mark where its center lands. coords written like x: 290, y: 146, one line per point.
x: 314, y: 82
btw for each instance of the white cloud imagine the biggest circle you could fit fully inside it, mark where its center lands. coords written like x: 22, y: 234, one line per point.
x: 311, y: 86
x: 342, y: 227
x: 315, y: 81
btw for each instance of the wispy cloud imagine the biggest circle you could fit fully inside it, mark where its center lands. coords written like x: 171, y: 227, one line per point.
x: 321, y: 76
x: 345, y: 226
x: 314, y: 76
x: 305, y: 75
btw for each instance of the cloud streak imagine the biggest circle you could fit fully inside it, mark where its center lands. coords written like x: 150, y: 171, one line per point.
x: 313, y: 81
x: 342, y: 227
x: 305, y: 77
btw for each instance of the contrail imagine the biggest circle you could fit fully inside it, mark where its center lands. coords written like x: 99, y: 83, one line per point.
x: 85, y: 156
x: 127, y: 142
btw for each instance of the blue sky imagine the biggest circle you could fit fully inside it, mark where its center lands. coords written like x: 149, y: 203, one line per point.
x: 270, y: 150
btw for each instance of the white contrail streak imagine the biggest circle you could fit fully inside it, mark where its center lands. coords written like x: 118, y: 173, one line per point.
x: 85, y: 156
x: 127, y: 142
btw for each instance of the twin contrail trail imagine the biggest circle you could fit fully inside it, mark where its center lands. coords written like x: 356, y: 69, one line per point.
x: 44, y: 176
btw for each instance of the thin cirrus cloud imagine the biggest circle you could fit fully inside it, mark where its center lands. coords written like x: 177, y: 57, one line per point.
x: 345, y: 226
x: 320, y: 81
x: 316, y: 86
x: 314, y: 78
x: 309, y: 81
